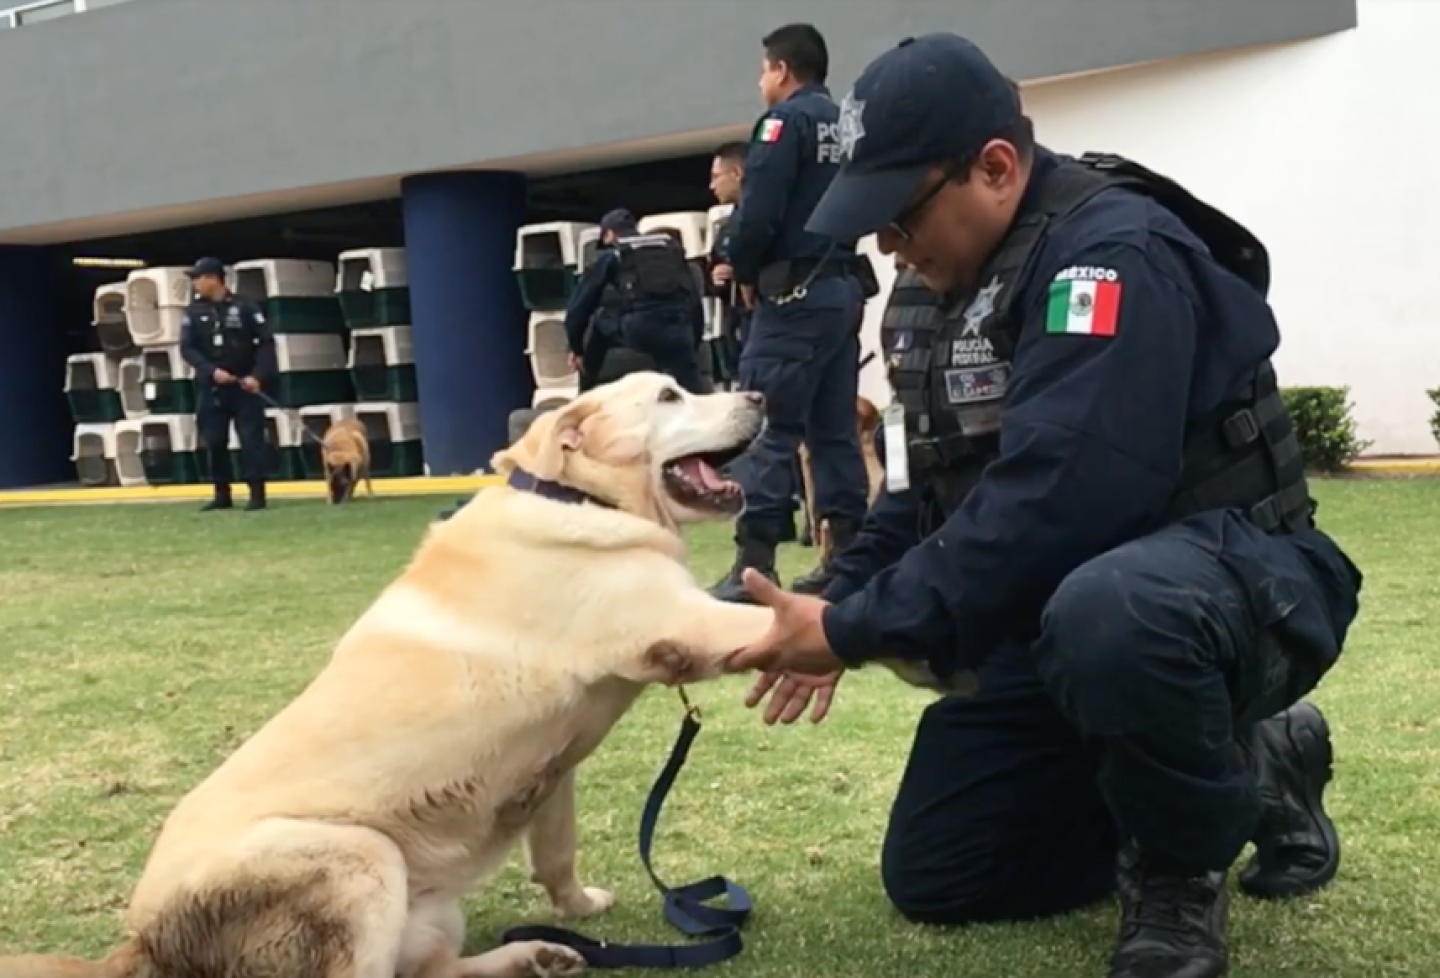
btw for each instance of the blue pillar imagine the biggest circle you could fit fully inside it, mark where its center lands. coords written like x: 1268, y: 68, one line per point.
x: 469, y: 323
x: 35, y: 429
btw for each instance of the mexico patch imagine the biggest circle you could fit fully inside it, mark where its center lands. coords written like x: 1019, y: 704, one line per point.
x: 769, y: 131
x: 1084, y: 302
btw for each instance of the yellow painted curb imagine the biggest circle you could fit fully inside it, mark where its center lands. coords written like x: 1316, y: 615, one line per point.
x: 1397, y: 466
x: 458, y: 485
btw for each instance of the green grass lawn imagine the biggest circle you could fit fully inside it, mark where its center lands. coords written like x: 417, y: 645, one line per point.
x: 142, y: 644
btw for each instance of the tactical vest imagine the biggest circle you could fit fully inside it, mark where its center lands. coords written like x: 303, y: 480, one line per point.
x: 652, y: 269
x: 223, y: 335
x: 1245, y: 455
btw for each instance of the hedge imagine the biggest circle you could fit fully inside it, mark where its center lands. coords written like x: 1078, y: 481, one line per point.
x: 1329, y: 438
x: 1435, y: 418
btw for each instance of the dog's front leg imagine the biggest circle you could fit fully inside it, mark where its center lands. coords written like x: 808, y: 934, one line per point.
x: 550, y: 839
x: 698, y: 645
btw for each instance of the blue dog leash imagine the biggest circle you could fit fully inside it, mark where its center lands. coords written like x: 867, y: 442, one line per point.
x: 686, y: 908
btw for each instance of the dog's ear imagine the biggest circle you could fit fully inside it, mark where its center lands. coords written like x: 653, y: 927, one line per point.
x: 541, y: 451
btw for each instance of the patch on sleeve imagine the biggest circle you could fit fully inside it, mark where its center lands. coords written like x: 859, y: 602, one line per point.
x: 769, y: 130
x: 259, y: 318
x: 1084, y: 301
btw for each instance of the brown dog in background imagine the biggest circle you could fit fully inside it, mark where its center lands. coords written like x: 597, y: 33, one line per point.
x: 345, y: 454
x: 867, y: 422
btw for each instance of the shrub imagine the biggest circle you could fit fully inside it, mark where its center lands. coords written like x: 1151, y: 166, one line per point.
x: 1329, y: 439
x: 1435, y: 418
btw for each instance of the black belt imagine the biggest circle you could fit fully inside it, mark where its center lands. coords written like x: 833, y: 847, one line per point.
x: 685, y: 907
x: 781, y: 277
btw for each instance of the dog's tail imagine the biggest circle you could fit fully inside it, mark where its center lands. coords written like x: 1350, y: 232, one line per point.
x: 126, y: 961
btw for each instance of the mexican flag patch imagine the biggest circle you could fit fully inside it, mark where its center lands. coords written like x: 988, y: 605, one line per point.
x: 770, y: 129
x: 1084, y: 302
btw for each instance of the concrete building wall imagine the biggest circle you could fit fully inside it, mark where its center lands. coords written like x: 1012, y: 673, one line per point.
x: 156, y: 103
x: 1322, y: 148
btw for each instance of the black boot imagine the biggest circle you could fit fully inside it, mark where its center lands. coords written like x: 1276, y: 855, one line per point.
x: 257, y: 497
x: 221, y: 500
x: 1172, y: 922
x: 842, y: 534
x: 751, y: 550
x: 1297, y: 850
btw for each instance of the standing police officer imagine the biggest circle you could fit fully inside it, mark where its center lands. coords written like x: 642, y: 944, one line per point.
x: 226, y: 339
x: 802, y: 351
x: 641, y: 293
x: 727, y: 175
x: 1136, y: 586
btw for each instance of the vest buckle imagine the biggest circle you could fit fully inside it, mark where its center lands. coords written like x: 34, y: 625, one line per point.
x: 1240, y: 429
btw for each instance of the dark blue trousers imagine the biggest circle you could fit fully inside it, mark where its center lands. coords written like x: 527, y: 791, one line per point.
x: 668, y: 338
x: 216, y: 407
x: 1117, y: 720
x: 804, y: 357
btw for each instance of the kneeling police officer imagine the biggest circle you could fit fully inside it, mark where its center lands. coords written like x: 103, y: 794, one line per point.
x: 1134, y: 592
x: 641, y: 293
x: 226, y: 339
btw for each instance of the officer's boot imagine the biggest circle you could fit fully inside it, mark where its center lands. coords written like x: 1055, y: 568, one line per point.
x: 257, y: 497
x: 1173, y: 922
x: 220, y: 476
x: 751, y: 550
x: 842, y: 534
x: 1297, y: 850
x: 220, y: 501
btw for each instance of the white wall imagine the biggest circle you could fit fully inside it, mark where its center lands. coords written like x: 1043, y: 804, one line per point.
x: 1327, y: 150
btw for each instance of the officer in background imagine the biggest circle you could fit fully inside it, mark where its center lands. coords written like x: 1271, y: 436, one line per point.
x: 1134, y: 592
x: 727, y: 176
x: 641, y: 293
x: 803, y: 347
x: 226, y: 339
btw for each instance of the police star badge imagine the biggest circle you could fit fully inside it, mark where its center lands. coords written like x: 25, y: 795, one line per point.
x: 981, y: 309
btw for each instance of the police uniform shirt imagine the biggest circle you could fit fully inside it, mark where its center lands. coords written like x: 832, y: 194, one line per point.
x: 590, y: 293
x: 794, y: 154
x: 1128, y: 329
x: 230, y: 314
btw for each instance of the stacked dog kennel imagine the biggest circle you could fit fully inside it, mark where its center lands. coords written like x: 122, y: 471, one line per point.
x: 373, y: 290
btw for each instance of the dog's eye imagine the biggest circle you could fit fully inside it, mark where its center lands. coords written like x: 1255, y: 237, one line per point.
x: 669, y: 396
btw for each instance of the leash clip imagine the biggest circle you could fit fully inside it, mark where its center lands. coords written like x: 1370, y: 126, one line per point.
x: 795, y: 295
x: 692, y: 711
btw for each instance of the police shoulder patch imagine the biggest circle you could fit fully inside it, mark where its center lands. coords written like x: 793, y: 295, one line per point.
x: 769, y: 129
x: 1084, y: 301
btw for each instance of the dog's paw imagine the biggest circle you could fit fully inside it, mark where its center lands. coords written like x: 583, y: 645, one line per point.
x: 591, y: 900
x: 555, y: 961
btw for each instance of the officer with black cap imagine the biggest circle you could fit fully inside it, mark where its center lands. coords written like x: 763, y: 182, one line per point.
x: 1134, y: 592
x: 226, y: 339
x: 802, y: 350
x: 641, y: 293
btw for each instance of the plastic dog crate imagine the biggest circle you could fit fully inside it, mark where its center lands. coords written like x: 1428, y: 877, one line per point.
x: 131, y: 381
x: 393, y: 431
x: 382, y: 364
x: 168, y: 381
x: 129, y: 465
x: 373, y: 286
x: 111, y: 326
x: 313, y: 370
x: 549, y: 354
x: 92, y: 382
x: 690, y: 228
x: 168, y: 447
x: 547, y: 263
x: 316, y: 420
x: 155, y: 301
x: 296, y: 296
x: 94, y: 454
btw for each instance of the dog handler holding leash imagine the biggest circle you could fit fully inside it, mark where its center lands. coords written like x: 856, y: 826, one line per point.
x: 1136, y: 584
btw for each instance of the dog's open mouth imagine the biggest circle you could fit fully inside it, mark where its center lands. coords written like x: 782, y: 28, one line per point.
x: 695, y: 481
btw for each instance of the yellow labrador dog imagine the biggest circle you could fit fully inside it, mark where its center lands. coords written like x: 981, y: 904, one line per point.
x: 338, y: 840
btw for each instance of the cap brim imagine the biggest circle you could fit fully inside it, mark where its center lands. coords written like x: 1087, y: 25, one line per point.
x: 857, y: 204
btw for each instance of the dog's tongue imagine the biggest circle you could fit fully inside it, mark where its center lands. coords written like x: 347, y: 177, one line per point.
x: 696, y: 469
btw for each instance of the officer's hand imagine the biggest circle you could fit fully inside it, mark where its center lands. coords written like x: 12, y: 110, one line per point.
x: 222, y: 376
x: 721, y: 274
x: 795, y: 641
x: 250, y: 385
x: 747, y: 296
x: 792, y: 694
x: 574, y: 361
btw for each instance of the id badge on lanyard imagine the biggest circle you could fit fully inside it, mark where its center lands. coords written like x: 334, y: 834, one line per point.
x: 897, y: 455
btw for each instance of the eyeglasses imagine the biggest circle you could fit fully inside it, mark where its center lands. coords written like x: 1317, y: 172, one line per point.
x: 913, y: 209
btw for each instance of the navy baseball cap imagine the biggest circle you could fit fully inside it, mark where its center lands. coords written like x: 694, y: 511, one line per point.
x: 927, y: 102
x: 207, y: 266
x: 617, y: 220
